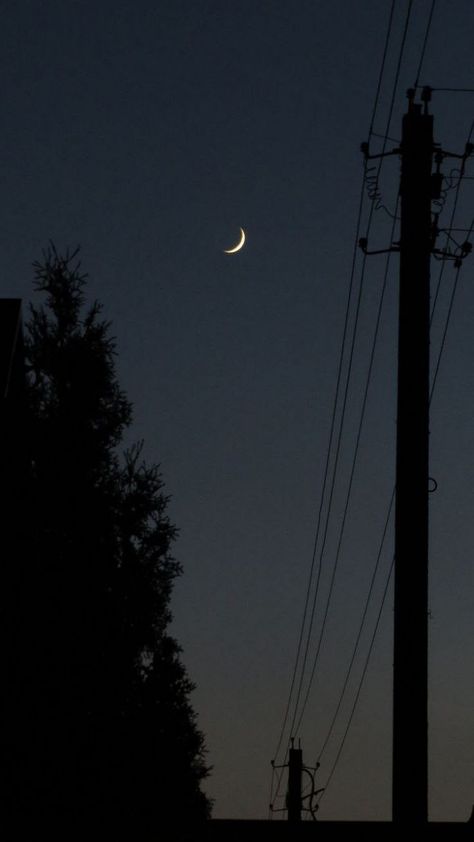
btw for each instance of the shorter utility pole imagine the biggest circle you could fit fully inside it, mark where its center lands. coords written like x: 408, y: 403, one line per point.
x: 295, y: 800
x: 295, y: 774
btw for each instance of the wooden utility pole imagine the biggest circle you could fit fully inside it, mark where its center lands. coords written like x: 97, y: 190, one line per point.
x: 410, y: 718
x: 295, y: 774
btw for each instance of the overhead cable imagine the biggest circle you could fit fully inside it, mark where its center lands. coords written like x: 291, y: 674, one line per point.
x: 348, y: 375
x: 353, y: 468
x: 423, y: 49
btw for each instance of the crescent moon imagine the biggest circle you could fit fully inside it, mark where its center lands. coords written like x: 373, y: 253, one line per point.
x: 239, y: 244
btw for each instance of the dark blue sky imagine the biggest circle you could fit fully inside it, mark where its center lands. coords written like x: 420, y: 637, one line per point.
x: 148, y: 133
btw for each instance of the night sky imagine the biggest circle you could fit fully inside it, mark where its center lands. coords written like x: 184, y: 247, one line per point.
x: 148, y: 133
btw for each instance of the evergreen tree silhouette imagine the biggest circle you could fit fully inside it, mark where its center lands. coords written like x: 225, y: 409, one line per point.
x: 101, y: 700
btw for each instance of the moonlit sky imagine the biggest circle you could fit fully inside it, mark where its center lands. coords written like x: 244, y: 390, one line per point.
x: 149, y: 132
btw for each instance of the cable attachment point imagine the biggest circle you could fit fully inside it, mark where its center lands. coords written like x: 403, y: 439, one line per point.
x: 466, y: 249
x: 468, y: 150
x: 363, y: 243
x: 364, y: 148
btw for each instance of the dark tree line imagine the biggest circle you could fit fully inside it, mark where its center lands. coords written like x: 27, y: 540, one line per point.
x: 98, y: 726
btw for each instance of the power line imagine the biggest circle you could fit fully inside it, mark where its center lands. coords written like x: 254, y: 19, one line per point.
x: 385, y: 137
x: 305, y: 613
x: 382, y: 67
x: 326, y: 469
x: 328, y: 514
x: 352, y: 474
x: 361, y: 627
x: 338, y: 384
x: 361, y: 682
x: 450, y: 90
x: 423, y: 49
x: 331, y: 495
x: 399, y: 63
x: 353, y: 468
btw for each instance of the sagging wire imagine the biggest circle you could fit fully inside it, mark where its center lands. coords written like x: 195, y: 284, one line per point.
x: 361, y: 628
x: 354, y: 463
x: 348, y: 375
x: 361, y: 682
x: 322, y: 499
x: 386, y: 136
x: 450, y: 90
x: 338, y: 383
x: 425, y: 42
x: 326, y: 474
x: 360, y: 426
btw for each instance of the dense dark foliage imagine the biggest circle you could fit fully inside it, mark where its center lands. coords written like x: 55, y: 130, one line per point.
x: 98, y: 694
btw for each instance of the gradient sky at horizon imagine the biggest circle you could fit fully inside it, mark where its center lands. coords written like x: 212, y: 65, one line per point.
x: 148, y: 133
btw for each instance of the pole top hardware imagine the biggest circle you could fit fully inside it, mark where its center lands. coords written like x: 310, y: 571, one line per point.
x: 425, y: 98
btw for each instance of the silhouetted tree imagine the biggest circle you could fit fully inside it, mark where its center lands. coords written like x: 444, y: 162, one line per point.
x: 106, y: 729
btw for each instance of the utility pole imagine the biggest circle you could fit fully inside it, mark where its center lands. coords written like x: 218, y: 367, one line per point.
x: 410, y: 716
x: 295, y: 774
x: 294, y: 803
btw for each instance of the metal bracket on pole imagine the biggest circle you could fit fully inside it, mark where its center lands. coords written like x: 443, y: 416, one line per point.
x: 363, y: 243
